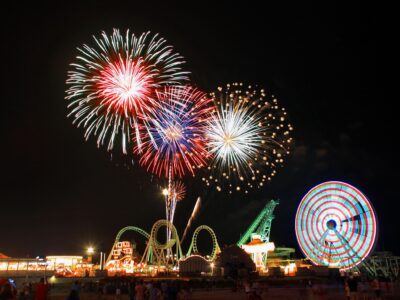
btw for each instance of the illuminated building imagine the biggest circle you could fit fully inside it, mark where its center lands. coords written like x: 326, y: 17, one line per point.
x: 69, y: 265
x: 22, y: 266
x: 122, y: 259
x: 64, y: 261
x: 10, y: 267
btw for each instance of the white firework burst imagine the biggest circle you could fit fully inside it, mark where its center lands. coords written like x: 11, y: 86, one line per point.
x: 248, y: 136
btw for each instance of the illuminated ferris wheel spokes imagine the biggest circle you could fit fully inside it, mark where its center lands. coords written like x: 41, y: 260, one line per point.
x: 335, y: 225
x: 327, y: 249
x: 347, y: 245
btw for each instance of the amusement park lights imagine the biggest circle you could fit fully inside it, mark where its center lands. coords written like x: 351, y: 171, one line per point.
x: 336, y: 225
x: 157, y: 255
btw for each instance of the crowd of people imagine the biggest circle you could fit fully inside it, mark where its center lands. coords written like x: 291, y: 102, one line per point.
x: 28, y: 291
x: 367, y: 289
x: 354, y: 288
x: 135, y: 289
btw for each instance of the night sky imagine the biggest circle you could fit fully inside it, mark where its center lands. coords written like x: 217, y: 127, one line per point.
x: 60, y: 193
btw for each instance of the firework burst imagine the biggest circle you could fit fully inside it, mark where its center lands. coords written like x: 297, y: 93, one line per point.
x: 178, y: 190
x: 177, y: 129
x: 248, y: 136
x: 175, y: 192
x: 112, y: 85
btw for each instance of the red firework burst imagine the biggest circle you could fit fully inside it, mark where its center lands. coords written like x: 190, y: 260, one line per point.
x: 176, y: 141
x: 126, y: 85
x: 178, y: 190
x: 112, y: 85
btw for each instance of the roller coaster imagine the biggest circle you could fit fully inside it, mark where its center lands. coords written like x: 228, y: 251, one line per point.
x: 193, y: 244
x: 158, y: 255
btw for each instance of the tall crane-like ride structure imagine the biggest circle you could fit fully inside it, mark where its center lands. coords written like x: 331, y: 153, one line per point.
x: 261, y: 225
x: 257, y: 235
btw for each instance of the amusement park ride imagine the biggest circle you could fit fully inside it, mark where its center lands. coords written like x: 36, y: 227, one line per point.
x: 158, y: 256
x: 162, y: 257
x: 237, y: 131
x: 336, y: 227
x: 193, y: 245
x: 257, y: 236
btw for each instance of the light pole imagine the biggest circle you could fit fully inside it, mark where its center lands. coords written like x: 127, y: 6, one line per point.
x: 90, y: 251
x: 101, y: 261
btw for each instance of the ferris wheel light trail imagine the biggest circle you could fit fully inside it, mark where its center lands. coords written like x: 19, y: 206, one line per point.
x: 336, y: 225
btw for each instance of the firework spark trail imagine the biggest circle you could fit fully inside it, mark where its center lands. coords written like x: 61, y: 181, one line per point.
x: 178, y: 190
x: 176, y: 194
x: 112, y: 85
x: 195, y: 212
x: 177, y: 128
x: 176, y: 143
x: 248, y: 136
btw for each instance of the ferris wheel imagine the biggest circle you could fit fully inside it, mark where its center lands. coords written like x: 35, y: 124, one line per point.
x: 336, y: 225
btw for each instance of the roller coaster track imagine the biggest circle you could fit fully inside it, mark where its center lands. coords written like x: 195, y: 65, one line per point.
x: 193, y: 245
x: 163, y: 253
x: 170, y: 252
x: 122, y: 231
